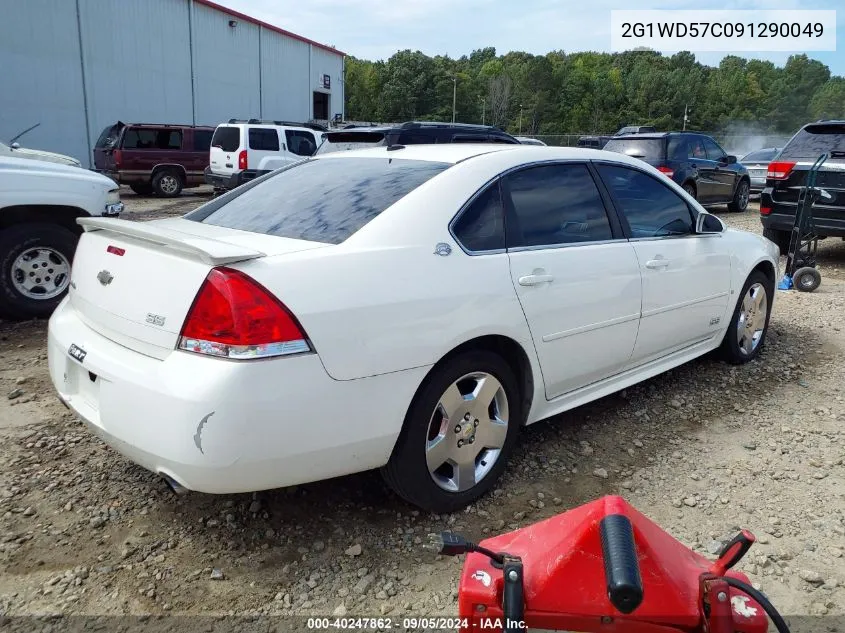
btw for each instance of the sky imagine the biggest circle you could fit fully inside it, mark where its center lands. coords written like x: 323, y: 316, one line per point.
x: 375, y: 29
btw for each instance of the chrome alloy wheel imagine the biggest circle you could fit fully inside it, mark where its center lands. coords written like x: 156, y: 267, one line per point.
x: 40, y: 273
x: 169, y: 184
x: 467, y: 431
x: 752, y: 319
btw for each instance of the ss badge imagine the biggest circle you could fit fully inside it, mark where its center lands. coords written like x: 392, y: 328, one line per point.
x: 76, y: 352
x: 155, y: 319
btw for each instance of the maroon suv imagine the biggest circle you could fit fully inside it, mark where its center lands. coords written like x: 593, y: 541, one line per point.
x: 153, y: 158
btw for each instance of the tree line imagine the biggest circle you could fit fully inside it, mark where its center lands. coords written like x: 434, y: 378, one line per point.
x: 560, y: 93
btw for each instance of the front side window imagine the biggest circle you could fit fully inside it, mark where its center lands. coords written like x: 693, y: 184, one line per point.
x: 266, y: 139
x: 324, y: 200
x: 481, y: 227
x: 695, y: 148
x: 714, y: 152
x: 650, y: 207
x: 555, y: 204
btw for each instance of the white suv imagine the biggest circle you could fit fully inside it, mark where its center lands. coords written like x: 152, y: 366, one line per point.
x: 40, y: 202
x: 243, y: 150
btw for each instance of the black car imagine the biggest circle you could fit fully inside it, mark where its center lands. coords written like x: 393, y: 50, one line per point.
x: 788, y: 174
x: 694, y: 161
x: 412, y: 133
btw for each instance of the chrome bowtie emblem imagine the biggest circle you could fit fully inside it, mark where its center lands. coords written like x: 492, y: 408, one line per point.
x: 104, y: 277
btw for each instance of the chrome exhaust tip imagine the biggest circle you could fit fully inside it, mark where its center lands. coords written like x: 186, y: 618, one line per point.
x: 175, y: 487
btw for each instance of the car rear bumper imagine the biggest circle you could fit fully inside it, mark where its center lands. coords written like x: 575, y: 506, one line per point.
x: 757, y: 184
x: 828, y: 221
x: 229, y: 181
x: 220, y: 426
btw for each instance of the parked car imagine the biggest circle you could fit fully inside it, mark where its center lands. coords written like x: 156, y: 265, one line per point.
x: 527, y: 140
x: 242, y: 150
x: 153, y: 158
x: 39, y: 204
x: 757, y: 163
x: 694, y: 161
x: 14, y: 150
x: 598, y: 142
x: 412, y: 133
x: 787, y: 174
x: 438, y: 330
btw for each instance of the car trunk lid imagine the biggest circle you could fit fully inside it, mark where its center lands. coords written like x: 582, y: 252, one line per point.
x: 134, y: 282
x: 226, y: 146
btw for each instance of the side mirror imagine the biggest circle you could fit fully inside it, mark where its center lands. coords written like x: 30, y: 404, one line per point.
x: 706, y: 223
x: 728, y: 160
x: 15, y: 145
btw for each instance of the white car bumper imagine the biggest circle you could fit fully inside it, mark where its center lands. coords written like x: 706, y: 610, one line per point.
x: 222, y: 426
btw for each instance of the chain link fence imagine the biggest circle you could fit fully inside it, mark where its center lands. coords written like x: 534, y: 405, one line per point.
x: 736, y: 144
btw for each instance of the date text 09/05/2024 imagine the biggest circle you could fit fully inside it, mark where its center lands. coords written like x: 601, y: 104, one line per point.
x: 722, y: 29
x: 410, y: 624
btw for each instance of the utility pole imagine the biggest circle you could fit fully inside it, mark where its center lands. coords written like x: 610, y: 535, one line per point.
x: 454, y: 95
x: 686, y: 116
x: 483, y: 109
x: 520, y: 118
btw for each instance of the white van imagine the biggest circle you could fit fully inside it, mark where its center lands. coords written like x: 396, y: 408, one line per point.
x: 242, y: 150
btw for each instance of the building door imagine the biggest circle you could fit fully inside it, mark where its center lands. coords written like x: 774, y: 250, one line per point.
x: 321, y: 106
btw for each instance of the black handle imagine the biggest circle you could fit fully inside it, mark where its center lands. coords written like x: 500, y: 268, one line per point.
x: 621, y: 567
x: 738, y: 547
x: 513, y: 598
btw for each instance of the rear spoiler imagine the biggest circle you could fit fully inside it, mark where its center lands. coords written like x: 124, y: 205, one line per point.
x: 210, y: 251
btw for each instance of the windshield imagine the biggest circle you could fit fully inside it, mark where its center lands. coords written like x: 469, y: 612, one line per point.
x: 647, y: 149
x: 321, y: 200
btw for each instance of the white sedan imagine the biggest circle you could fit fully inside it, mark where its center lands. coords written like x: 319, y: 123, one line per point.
x: 403, y: 308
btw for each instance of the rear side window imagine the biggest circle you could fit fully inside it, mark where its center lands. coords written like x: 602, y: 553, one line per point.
x: 263, y: 139
x: 481, y: 227
x: 642, y: 148
x: 651, y: 208
x: 202, y: 140
x: 227, y: 138
x: 152, y: 139
x: 300, y: 143
x: 555, y: 204
x: 321, y: 200
x: 814, y: 140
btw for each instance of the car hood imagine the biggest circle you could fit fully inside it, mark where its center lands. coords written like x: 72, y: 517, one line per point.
x: 52, y: 168
x: 52, y: 157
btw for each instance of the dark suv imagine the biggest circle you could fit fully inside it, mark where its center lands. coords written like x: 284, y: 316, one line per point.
x: 694, y: 161
x: 152, y: 158
x: 787, y: 174
x: 412, y: 133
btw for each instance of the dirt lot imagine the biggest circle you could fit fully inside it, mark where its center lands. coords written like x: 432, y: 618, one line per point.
x: 702, y: 450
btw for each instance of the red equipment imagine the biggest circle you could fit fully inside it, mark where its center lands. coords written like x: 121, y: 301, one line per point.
x: 604, y: 567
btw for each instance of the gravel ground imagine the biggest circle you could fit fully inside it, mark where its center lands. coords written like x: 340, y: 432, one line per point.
x: 702, y: 450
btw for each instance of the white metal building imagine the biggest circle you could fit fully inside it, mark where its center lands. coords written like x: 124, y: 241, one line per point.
x: 77, y: 66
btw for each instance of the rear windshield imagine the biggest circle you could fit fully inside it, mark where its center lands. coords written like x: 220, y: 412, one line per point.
x: 760, y: 156
x: 642, y: 148
x: 227, y: 138
x: 108, y: 137
x: 815, y: 140
x: 342, y: 141
x: 321, y: 200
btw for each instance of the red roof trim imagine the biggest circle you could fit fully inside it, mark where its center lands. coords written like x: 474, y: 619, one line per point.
x: 265, y: 25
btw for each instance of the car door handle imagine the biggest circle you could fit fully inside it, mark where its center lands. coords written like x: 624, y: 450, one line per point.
x: 657, y: 263
x: 535, y: 280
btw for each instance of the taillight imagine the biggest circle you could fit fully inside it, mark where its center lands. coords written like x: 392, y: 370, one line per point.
x: 666, y: 170
x: 242, y: 159
x: 118, y: 157
x: 765, y: 210
x: 779, y: 170
x: 233, y: 316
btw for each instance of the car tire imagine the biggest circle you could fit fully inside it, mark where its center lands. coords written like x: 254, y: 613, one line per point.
x: 25, y: 251
x: 168, y: 183
x: 412, y: 471
x: 690, y: 189
x: 781, y: 238
x: 806, y: 279
x: 142, y: 188
x: 740, y: 199
x: 749, y: 324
